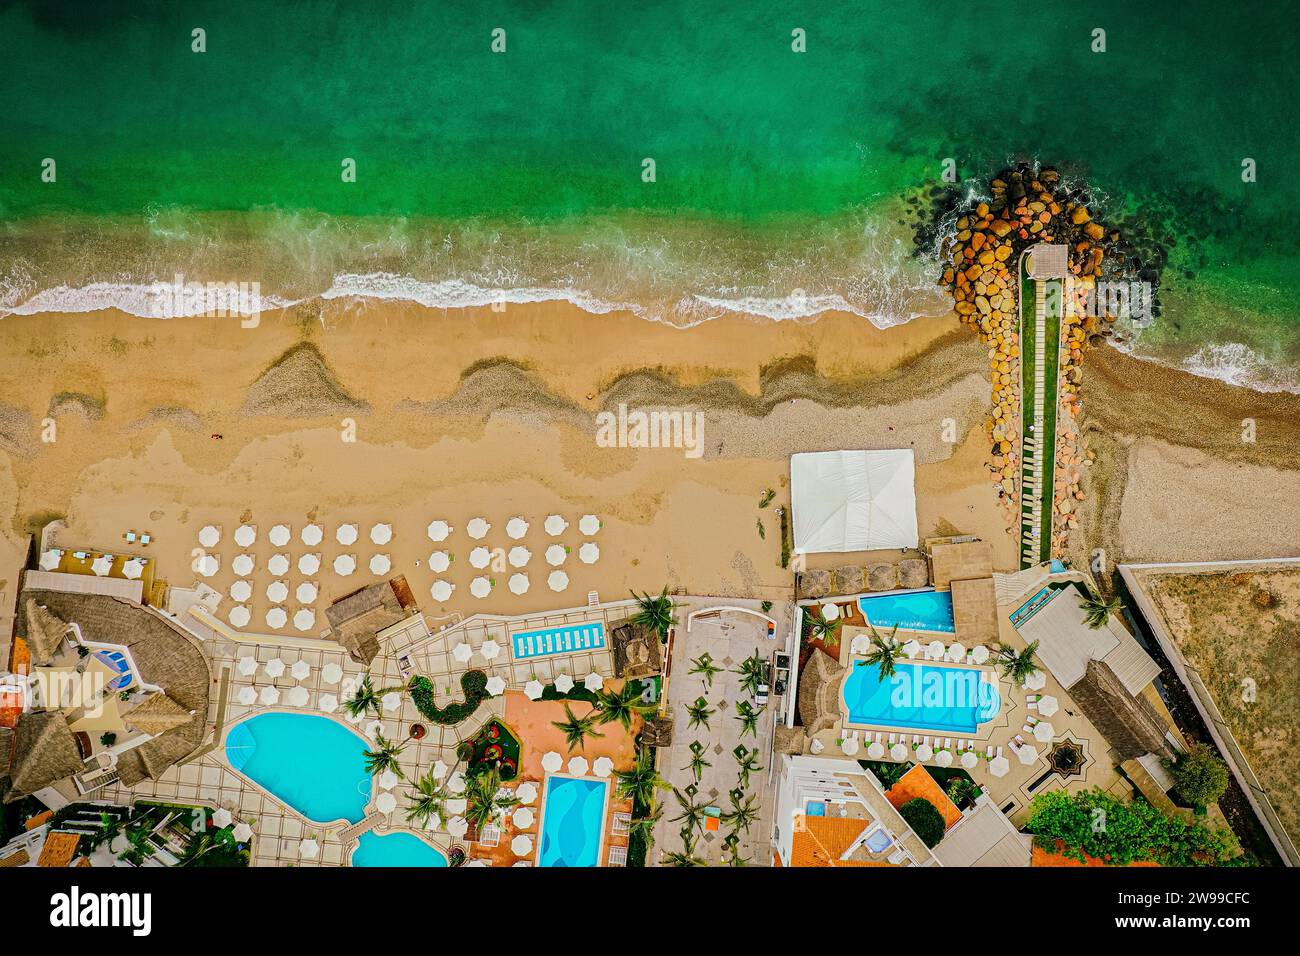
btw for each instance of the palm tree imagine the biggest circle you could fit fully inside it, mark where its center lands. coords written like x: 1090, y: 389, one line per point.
x: 698, y: 763
x: 384, y: 756
x: 742, y: 815
x: 748, y: 761
x: 483, y: 801
x: 620, y: 705
x: 644, y: 826
x: 578, y: 729
x: 699, y: 713
x: 685, y: 858
x: 827, y: 631
x: 1017, y: 665
x: 748, y: 717
x: 884, y: 653
x: 753, y: 673
x: 429, y: 799
x: 704, y: 666
x: 692, y: 815
x: 640, y: 783
x: 1097, y: 609
x: 368, y: 698
x: 656, y: 613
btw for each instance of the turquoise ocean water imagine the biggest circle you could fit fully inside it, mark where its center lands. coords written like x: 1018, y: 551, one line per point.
x: 785, y: 183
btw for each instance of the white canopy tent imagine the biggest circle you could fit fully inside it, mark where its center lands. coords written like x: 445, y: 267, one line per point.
x: 853, y: 500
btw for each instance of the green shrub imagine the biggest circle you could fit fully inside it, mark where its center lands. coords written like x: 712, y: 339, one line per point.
x: 1200, y: 777
x: 473, y: 683
x: 925, y: 821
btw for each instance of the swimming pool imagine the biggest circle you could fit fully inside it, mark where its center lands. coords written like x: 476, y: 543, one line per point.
x: 573, y: 821
x: 395, y: 849
x: 911, y: 610
x: 558, y: 640
x: 921, y: 697
x: 313, y: 764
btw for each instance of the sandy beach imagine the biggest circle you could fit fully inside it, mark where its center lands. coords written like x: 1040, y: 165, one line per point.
x: 478, y: 413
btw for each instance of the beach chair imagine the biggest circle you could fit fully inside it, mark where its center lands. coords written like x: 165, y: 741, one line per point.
x: 893, y: 739
x: 947, y: 743
x: 989, y: 753
x: 130, y: 537
x: 1031, y: 704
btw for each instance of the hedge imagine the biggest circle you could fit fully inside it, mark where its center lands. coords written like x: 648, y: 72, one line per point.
x: 473, y: 683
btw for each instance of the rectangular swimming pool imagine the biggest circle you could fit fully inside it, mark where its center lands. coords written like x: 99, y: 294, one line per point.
x: 952, y: 700
x: 558, y: 640
x: 573, y: 821
x: 911, y: 610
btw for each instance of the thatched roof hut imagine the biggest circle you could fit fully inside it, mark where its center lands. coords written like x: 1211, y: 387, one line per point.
x: 1129, y: 723
x: 819, y: 693
x: 882, y: 577
x: 913, y: 573
x: 356, y: 618
x: 156, y: 715
x: 637, y: 650
x: 658, y: 731
x: 848, y: 579
x: 43, y: 631
x: 814, y: 584
x: 789, y: 740
x: 45, y: 753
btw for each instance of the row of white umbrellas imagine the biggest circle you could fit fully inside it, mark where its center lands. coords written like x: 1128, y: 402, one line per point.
x: 481, y: 586
x: 516, y: 527
x: 132, y: 568
x: 331, y: 673
x: 518, y: 556
x: 577, y: 766
x: 310, y: 535
x: 304, y: 619
x: 241, y: 831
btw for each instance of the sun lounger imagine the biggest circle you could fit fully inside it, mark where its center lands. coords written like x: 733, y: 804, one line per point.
x: 989, y: 753
x: 1031, y: 704
x: 947, y: 743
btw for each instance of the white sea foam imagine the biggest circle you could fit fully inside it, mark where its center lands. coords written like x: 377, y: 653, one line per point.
x: 140, y: 299
x: 1233, y: 363
x: 457, y: 293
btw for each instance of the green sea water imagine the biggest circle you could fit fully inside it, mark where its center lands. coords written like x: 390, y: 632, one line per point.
x: 782, y: 178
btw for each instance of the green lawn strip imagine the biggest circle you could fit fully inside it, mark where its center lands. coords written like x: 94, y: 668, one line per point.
x: 1052, y: 329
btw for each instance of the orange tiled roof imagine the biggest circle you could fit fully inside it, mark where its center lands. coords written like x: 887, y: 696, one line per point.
x: 1042, y: 858
x: 917, y: 782
x: 823, y: 840
x: 42, y: 817
x: 59, y: 849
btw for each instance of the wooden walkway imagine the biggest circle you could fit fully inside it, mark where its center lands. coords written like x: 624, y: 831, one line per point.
x: 1039, y: 339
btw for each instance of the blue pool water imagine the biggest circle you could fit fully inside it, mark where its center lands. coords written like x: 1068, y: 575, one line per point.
x: 395, y: 849
x: 314, y: 764
x: 921, y: 697
x: 559, y: 640
x: 573, y: 822
x: 878, y: 841
x: 913, y: 611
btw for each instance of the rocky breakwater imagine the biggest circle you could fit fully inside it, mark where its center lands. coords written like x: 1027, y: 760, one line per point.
x: 981, y: 260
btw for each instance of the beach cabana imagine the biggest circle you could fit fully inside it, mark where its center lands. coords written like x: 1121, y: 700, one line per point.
x: 247, y: 696
x: 381, y: 533
x: 555, y: 525
x: 305, y: 592
x: 496, y: 685
x: 300, y: 670
x: 280, y: 535
x: 533, y: 691
x: 477, y: 528
x: 278, y: 565
x: 276, y: 618
x: 516, y: 528
x: 589, y: 553
x: 304, y: 619
x: 588, y: 524
x: 556, y: 555
x: 380, y: 564
x: 328, y: 703
x: 346, y: 534
x: 245, y: 535
x: 853, y: 500
x: 242, y: 565
x: 209, y: 536
x: 439, y: 530
x: 439, y: 561
x: 480, y: 587
x: 241, y: 591
x: 277, y: 592
x: 239, y: 615
x: 480, y: 558
x: 519, y: 584
x: 519, y: 556
x: 344, y: 565
x: 311, y: 535
x: 309, y: 564
x: 441, y: 590
x: 557, y: 580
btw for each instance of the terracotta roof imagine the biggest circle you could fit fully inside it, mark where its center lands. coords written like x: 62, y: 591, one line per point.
x: 823, y: 840
x: 1042, y: 857
x: 15, y: 859
x: 59, y: 849
x: 917, y: 782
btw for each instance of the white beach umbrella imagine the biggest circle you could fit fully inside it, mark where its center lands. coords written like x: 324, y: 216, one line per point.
x: 1027, y: 754
x: 380, y: 564
x: 588, y: 524
x: 557, y: 580
x: 308, y: 848
x: 490, y: 649
x: 1044, y: 731
x: 277, y: 592
x: 1048, y: 705
x: 374, y: 728
x: 462, y: 652
x: 943, y: 758
x: 875, y: 750
x: 274, y: 667
x: 300, y: 670
x: 552, y: 762
x: 477, y: 528
x: 240, y: 615
x: 438, y: 530
x: 999, y: 766
x: 527, y: 792
x: 457, y: 826
x: 1035, y: 681
x: 209, y: 536
x: 309, y: 564
x: 346, y: 534
x: 102, y: 565
x: 496, y: 685
x: 979, y: 654
x: 534, y: 689
x: 242, y: 565
x: 278, y: 565
x: 222, y: 818
x: 381, y: 533
x: 480, y: 558
x: 969, y: 759
x: 305, y: 592
x: 522, y: 817
x: 602, y: 766
x: 276, y: 618
x: 593, y: 681
x: 516, y: 528
x: 50, y: 559
x: 208, y: 565
x: 830, y: 610
x: 344, y: 565
x: 519, y: 556
x: 328, y: 703
x: 556, y: 555
x: 936, y: 650
x: 898, y: 752
x: 331, y: 673
x: 280, y: 535
x: 391, y: 701
x: 245, y: 535
x: 304, y: 619
x: 589, y: 553
x: 439, y: 561
x: 385, y: 803
x: 241, y: 591
x: 564, y: 683
x: 270, y: 696
x: 924, y: 752
x: 441, y: 590
x: 133, y: 569
x: 298, y: 696
x: 247, y: 665
x: 242, y: 832
x: 480, y: 587
x: 477, y: 863
x: 849, y: 745
x: 815, y: 746
x: 456, y: 784
x: 247, y: 696
x: 555, y: 525
x: 956, y: 651
x: 519, y: 583
x: 388, y: 780
x: 521, y: 845
x: 440, y: 769
x: 578, y: 766
x: 311, y: 535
